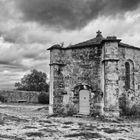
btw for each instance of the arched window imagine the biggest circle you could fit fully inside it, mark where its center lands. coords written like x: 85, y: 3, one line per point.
x: 127, y: 76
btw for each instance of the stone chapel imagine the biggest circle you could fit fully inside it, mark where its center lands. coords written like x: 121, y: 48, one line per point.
x: 93, y: 74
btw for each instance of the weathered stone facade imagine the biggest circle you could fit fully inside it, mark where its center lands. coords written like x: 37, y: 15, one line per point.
x: 104, y: 67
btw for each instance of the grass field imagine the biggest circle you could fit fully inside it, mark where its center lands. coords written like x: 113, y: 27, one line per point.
x: 31, y: 122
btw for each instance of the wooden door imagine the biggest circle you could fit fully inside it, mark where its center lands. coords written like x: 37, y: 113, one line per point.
x: 84, y: 105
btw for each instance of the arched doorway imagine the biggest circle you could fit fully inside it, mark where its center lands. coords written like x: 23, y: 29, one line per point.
x: 84, y: 102
x: 82, y: 98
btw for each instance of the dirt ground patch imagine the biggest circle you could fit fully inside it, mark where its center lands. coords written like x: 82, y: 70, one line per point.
x: 31, y: 122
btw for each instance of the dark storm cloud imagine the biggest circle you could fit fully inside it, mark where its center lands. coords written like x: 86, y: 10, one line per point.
x: 72, y: 14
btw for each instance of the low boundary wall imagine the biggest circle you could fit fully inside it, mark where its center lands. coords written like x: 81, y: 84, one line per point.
x: 16, y: 96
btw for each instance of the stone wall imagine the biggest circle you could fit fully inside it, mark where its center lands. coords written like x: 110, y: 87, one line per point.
x: 133, y: 57
x: 16, y: 96
x: 131, y: 102
x: 82, y: 66
x: 72, y: 67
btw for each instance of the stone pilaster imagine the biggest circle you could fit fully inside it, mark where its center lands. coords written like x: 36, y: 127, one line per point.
x: 111, y: 76
x: 55, y: 77
x: 51, y: 89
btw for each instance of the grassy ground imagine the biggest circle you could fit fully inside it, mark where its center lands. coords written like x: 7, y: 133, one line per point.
x: 30, y: 122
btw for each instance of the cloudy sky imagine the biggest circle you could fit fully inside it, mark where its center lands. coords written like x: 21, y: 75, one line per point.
x: 29, y: 27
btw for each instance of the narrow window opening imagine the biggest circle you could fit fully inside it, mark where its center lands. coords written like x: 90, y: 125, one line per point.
x: 127, y: 75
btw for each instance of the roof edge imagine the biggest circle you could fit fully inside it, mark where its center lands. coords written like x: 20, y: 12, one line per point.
x: 128, y: 46
x: 56, y: 46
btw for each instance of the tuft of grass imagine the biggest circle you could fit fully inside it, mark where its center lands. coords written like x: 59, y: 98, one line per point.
x: 110, y: 131
x: 65, y: 126
x: 73, y: 129
x: 19, y: 139
x: 34, y: 134
x: 8, y: 137
x: 1, y: 122
x: 52, y: 125
x: 67, y: 123
x: 85, y: 135
x: 45, y: 121
x: 14, y: 118
x: 48, y: 130
x: 80, y: 123
x: 29, y: 127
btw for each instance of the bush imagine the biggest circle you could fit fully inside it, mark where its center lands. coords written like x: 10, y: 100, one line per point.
x: 122, y: 105
x: 43, y: 98
x: 136, y: 110
x: 2, y: 99
x: 128, y: 105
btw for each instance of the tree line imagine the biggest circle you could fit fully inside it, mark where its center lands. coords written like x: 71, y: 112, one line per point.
x: 34, y: 81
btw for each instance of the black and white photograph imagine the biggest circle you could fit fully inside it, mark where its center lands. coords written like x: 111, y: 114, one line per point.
x: 69, y: 69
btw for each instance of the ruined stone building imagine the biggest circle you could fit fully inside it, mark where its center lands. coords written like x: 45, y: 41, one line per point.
x: 93, y: 74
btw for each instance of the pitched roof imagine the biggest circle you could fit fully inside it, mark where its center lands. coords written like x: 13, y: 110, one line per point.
x: 95, y: 41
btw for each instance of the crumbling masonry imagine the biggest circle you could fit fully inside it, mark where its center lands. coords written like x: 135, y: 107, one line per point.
x: 93, y: 74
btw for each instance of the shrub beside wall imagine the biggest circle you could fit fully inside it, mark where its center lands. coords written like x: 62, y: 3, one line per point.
x: 43, y: 98
x: 3, y: 99
x: 129, y: 104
